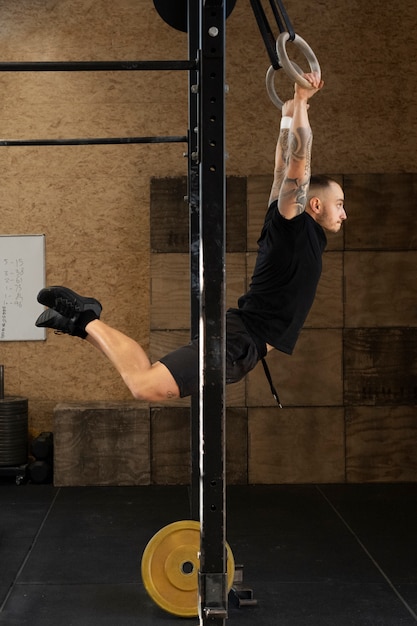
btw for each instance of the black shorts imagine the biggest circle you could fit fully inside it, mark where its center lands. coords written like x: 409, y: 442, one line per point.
x: 242, y: 355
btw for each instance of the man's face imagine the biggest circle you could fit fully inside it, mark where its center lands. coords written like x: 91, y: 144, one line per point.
x: 332, y: 212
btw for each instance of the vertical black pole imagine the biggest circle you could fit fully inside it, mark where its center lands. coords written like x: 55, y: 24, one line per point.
x: 194, y: 235
x: 213, y: 578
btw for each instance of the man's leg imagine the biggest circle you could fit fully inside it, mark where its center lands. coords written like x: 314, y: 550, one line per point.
x: 78, y: 316
x: 145, y: 381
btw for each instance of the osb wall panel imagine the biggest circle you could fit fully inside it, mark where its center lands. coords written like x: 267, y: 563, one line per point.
x: 134, y: 30
x: 327, y: 309
x: 171, y: 434
x: 170, y: 284
x: 92, y: 203
x: 380, y: 288
x: 169, y: 215
x: 356, y: 125
x: 170, y: 452
x: 380, y: 366
x: 334, y: 366
x: 382, y: 212
x: 381, y: 444
x: 98, y: 444
x: 259, y: 188
x: 281, y: 448
x: 311, y: 376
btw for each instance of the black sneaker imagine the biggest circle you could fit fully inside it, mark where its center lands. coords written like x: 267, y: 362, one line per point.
x: 68, y: 303
x: 59, y: 323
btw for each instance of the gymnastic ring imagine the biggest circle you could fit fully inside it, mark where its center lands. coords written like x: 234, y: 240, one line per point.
x: 270, y: 84
x: 288, y: 66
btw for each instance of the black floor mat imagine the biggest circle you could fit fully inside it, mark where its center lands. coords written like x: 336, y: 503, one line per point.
x: 339, y: 555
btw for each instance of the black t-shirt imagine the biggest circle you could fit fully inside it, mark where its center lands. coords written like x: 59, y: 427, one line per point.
x: 284, y: 282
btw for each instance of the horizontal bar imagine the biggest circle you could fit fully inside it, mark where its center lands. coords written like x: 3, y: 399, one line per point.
x: 87, y: 142
x: 94, y: 66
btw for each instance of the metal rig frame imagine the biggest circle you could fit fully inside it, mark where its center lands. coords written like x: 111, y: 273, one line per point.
x: 206, y: 198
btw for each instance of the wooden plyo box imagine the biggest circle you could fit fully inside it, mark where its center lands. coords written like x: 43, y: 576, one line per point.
x: 101, y: 443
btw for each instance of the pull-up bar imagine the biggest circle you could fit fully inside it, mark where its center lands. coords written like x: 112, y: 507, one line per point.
x: 93, y: 141
x: 94, y: 66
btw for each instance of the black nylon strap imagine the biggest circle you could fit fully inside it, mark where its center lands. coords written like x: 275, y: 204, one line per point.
x: 266, y: 32
x: 283, y: 23
x: 271, y: 384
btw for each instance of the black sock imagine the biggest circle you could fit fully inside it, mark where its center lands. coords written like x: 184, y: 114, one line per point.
x: 85, y: 318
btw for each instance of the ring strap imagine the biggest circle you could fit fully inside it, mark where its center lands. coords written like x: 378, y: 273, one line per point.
x: 271, y: 384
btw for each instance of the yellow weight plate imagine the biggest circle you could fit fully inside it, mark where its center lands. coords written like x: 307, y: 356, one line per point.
x: 170, y: 565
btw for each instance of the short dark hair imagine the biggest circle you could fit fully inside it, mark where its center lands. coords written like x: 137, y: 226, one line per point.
x: 319, y: 181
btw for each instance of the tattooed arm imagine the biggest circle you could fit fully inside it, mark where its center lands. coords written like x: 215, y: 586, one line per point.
x: 295, y: 176
x: 281, y: 153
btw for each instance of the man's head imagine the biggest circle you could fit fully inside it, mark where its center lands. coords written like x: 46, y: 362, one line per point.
x: 325, y: 203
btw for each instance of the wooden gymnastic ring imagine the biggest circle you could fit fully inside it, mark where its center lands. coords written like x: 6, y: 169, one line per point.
x: 288, y: 66
x: 270, y: 84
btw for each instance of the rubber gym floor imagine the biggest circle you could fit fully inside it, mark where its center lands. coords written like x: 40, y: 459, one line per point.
x: 317, y: 555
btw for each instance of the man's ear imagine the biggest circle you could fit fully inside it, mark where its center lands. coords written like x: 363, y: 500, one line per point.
x: 315, y: 204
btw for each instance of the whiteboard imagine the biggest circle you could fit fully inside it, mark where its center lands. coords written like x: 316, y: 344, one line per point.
x: 22, y: 275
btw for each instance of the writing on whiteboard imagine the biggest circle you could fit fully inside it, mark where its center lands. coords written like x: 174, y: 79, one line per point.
x: 22, y: 271
x: 12, y: 276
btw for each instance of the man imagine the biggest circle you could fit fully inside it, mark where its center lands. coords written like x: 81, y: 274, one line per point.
x: 272, y: 313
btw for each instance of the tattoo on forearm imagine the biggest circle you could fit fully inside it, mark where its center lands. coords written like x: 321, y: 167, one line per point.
x: 301, y: 143
x: 293, y: 159
x: 283, y: 139
x: 281, y: 160
x: 308, y: 155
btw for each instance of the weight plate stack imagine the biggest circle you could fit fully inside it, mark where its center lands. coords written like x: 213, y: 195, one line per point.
x: 13, y: 431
